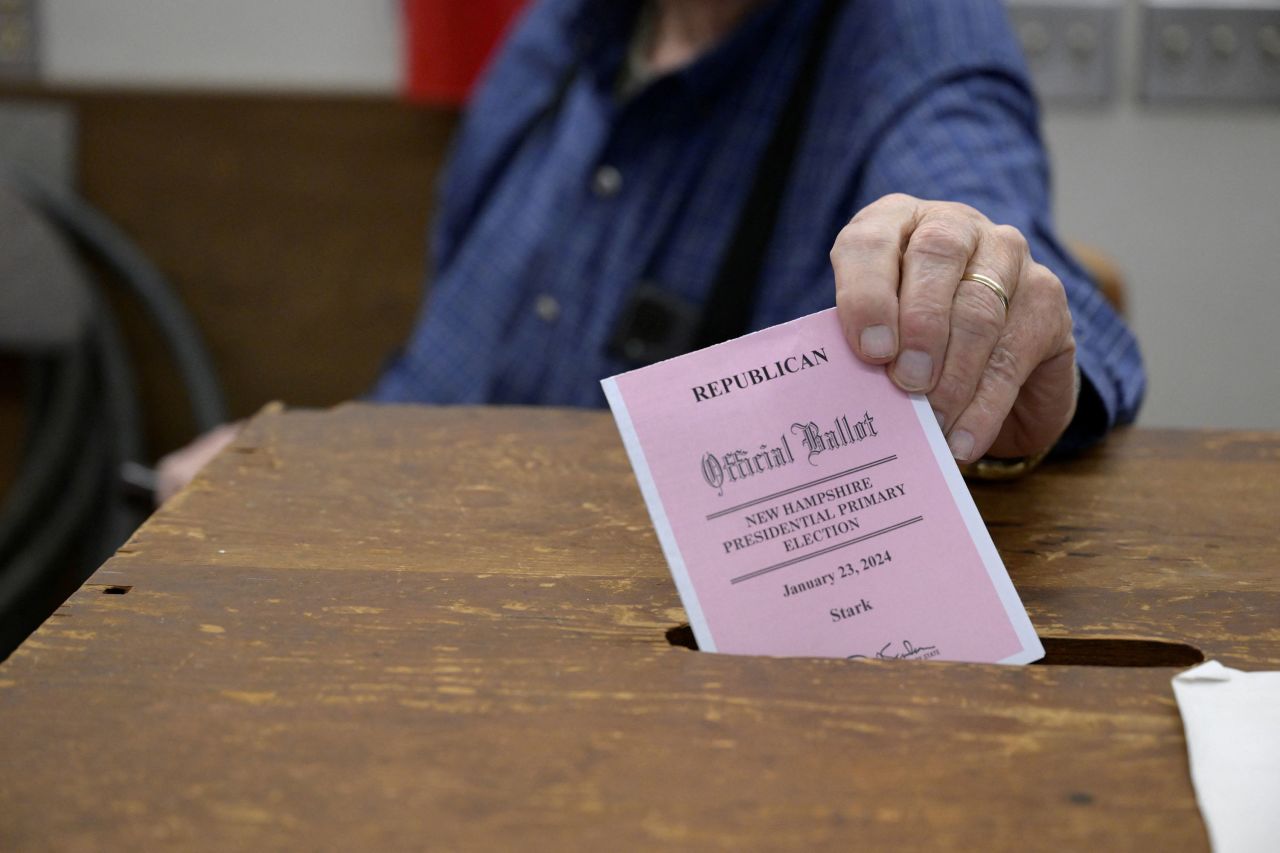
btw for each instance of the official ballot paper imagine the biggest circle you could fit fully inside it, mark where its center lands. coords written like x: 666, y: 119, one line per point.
x: 808, y: 507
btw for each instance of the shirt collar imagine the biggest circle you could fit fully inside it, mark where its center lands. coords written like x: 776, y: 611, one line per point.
x: 601, y: 32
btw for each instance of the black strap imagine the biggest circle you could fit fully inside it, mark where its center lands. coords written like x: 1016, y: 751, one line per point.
x: 728, y: 310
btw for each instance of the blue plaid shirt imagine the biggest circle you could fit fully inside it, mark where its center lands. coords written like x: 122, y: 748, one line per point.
x: 560, y: 197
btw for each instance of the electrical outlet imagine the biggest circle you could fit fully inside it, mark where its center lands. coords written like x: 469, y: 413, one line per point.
x: 1070, y: 47
x: 19, y: 53
x: 1211, y: 51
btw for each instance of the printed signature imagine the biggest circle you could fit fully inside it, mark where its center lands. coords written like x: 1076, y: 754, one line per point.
x: 909, y: 651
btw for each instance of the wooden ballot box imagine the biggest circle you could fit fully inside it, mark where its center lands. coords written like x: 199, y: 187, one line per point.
x: 413, y: 628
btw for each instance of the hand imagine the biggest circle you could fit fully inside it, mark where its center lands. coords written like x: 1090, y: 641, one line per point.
x: 181, y: 466
x: 1001, y: 383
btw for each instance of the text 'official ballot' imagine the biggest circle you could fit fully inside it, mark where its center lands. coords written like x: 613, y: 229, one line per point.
x: 809, y: 507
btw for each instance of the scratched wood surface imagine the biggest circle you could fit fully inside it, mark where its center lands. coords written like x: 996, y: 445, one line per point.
x: 447, y: 629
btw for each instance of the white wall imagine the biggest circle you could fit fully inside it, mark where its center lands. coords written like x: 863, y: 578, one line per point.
x: 327, y: 45
x: 1189, y: 205
x: 1187, y: 200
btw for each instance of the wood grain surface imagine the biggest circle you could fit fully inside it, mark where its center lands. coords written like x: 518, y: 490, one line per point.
x: 406, y: 628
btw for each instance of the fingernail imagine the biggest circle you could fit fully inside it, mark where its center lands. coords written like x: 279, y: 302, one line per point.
x: 961, y: 444
x: 877, y: 341
x: 942, y: 420
x: 913, y: 370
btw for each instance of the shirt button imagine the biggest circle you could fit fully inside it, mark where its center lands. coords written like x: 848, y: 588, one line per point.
x: 546, y: 307
x: 606, y: 182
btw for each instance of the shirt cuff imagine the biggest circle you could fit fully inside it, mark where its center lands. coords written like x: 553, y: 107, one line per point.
x: 1095, y: 412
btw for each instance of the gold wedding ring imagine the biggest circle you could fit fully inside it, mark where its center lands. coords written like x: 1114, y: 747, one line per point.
x: 992, y: 285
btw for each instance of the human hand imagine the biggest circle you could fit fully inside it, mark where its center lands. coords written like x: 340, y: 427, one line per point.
x: 180, y: 467
x: 1001, y: 382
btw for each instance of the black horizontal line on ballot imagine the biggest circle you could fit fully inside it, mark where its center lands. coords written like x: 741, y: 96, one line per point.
x: 863, y: 538
x: 785, y: 492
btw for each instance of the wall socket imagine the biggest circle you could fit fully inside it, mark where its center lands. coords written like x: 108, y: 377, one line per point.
x: 19, y: 44
x: 1071, y: 48
x: 1198, y: 52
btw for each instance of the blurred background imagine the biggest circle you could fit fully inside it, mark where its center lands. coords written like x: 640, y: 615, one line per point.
x: 244, y: 187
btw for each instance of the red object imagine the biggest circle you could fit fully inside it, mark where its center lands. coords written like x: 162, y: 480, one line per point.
x: 448, y: 43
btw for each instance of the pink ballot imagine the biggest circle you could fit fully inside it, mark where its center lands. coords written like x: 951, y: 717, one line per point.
x: 809, y: 507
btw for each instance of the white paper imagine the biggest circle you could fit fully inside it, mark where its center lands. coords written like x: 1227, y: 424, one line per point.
x: 1232, y: 721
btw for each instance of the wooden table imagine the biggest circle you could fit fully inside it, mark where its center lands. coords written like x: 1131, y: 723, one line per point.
x: 410, y: 628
